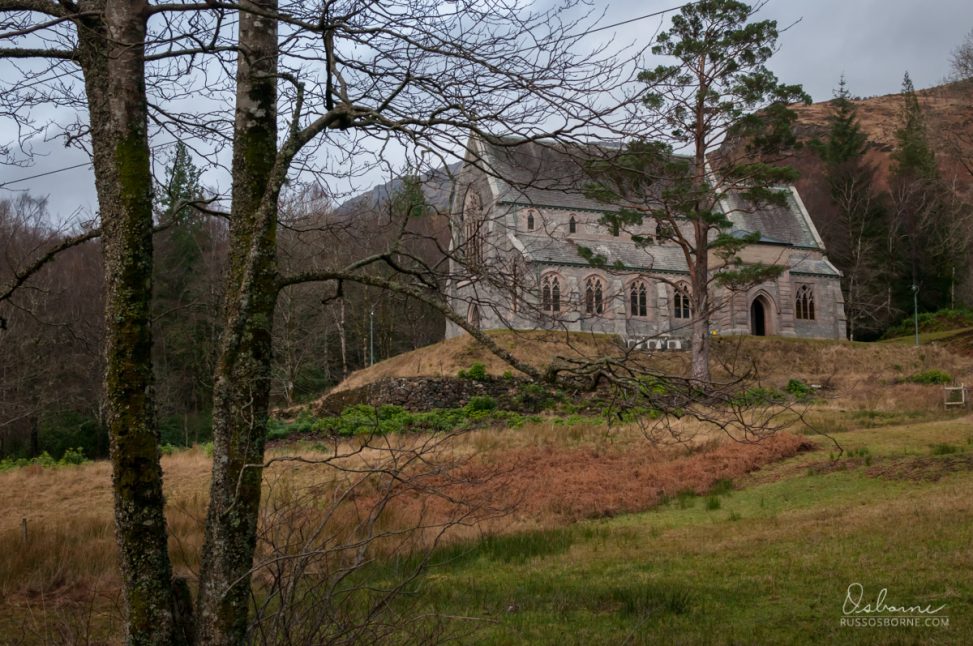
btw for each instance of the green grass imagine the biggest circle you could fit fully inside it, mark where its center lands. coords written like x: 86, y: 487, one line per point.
x: 927, y: 337
x: 769, y: 564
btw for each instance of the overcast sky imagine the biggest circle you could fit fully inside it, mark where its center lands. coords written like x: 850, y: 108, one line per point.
x: 871, y: 41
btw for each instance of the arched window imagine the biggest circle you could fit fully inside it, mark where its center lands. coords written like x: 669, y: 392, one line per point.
x: 550, y: 294
x: 804, y: 303
x: 594, y: 292
x: 472, y: 225
x: 638, y: 299
x: 572, y: 225
x: 530, y: 220
x: 473, y: 316
x: 681, y: 305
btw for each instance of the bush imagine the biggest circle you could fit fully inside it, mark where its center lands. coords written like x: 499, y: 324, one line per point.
x: 799, y: 389
x: 930, y: 377
x: 534, y: 398
x: 70, y: 457
x: 939, y: 321
x: 480, y: 403
x: 476, y: 372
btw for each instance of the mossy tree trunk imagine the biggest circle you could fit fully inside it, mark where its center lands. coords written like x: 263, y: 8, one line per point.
x: 243, y: 376
x: 111, y: 46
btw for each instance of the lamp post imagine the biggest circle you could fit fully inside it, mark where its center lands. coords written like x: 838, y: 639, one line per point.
x: 371, y: 335
x: 915, y: 310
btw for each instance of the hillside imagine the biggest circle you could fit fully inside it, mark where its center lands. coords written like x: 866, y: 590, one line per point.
x: 949, y: 120
x: 876, y: 372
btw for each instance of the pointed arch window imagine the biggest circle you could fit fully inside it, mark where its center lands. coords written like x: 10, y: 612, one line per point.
x: 551, y: 294
x: 572, y: 225
x: 473, y: 316
x: 638, y: 299
x: 472, y: 225
x: 530, y: 220
x: 681, y: 305
x: 594, y: 296
x: 804, y: 303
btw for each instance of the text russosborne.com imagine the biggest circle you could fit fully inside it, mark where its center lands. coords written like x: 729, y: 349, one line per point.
x: 895, y: 622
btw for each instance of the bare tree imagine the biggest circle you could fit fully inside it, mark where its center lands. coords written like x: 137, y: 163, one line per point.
x: 962, y: 59
x: 416, y: 73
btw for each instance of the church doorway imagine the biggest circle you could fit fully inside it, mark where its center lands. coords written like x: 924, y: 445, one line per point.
x: 760, y: 313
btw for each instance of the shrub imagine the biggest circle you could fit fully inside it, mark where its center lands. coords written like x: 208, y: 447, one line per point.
x: 480, y: 403
x: 534, y: 398
x: 930, y: 377
x: 70, y: 457
x: 799, y: 389
x: 940, y: 321
x: 476, y: 372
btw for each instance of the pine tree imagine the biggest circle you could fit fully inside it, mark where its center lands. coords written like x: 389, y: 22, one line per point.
x: 929, y: 252
x: 855, y: 236
x: 718, y: 86
x: 913, y: 156
x: 184, y: 306
x: 846, y: 141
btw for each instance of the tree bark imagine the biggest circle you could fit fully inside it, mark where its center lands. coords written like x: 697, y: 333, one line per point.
x: 243, y: 376
x: 111, y: 46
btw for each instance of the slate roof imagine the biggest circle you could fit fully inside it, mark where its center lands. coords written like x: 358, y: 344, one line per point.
x: 666, y: 258
x: 813, y: 267
x: 776, y: 224
x: 560, y: 251
x: 549, y: 173
x: 543, y: 173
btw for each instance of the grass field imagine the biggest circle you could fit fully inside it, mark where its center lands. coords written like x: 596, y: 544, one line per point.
x: 767, y: 563
x: 606, y: 539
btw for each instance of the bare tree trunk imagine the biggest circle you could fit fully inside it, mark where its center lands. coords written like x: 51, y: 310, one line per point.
x: 111, y: 44
x: 243, y: 375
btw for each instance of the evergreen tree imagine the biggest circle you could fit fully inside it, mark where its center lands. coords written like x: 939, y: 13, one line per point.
x: 856, y: 234
x: 846, y: 141
x: 913, y: 156
x: 929, y: 251
x: 184, y: 306
x: 719, y: 86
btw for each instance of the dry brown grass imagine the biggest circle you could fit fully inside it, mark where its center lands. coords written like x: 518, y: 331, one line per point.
x: 537, y: 348
x: 546, y: 476
x: 859, y: 374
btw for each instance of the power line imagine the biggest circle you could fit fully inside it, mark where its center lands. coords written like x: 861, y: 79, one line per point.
x: 631, y: 20
x: 50, y: 172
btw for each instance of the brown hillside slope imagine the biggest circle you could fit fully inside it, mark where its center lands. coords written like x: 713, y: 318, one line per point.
x: 948, y: 110
x: 873, y: 371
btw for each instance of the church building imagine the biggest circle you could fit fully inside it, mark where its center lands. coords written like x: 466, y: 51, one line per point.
x: 523, y: 232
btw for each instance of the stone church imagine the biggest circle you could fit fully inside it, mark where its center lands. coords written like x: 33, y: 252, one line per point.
x: 520, y: 222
